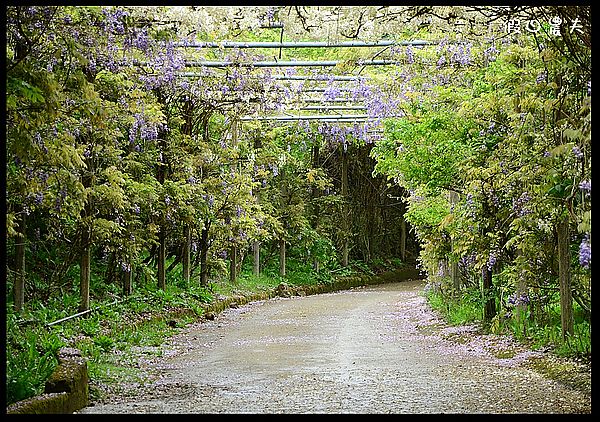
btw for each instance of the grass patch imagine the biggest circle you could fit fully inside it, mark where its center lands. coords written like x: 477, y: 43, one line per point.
x: 462, y: 310
x: 467, y: 308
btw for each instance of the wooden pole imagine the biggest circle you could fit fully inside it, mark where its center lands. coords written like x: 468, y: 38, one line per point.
x: 282, y: 257
x: 162, y: 283
x: 19, y: 286
x: 127, y: 277
x: 85, y: 270
x: 187, y: 241
x: 454, y: 273
x: 233, y: 264
x: 564, y: 275
x: 256, y: 251
x: 345, y: 210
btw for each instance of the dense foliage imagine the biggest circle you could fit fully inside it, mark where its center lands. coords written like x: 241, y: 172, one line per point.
x: 496, y: 157
x: 124, y: 170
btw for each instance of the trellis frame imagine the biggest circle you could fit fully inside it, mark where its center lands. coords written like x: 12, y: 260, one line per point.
x: 303, y: 63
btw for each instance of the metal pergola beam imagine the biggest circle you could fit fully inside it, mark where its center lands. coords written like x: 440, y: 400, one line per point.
x: 332, y: 117
x: 335, y: 100
x: 340, y: 123
x: 302, y: 44
x: 292, y: 63
x: 308, y: 89
x: 320, y: 89
x: 333, y: 107
x: 286, y: 78
x: 317, y: 78
x: 273, y: 25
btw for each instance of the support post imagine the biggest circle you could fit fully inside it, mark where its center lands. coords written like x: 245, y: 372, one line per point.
x: 282, y: 257
x: 233, y: 264
x: 454, y: 273
x: 256, y: 252
x: 345, y: 209
x: 564, y: 276
x: 84, y: 276
x: 187, y: 240
x: 19, y: 286
x: 162, y: 284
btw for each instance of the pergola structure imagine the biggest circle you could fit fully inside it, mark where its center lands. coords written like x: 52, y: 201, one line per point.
x: 326, y: 105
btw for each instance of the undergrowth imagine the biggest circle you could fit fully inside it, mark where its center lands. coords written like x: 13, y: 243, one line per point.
x: 537, y: 333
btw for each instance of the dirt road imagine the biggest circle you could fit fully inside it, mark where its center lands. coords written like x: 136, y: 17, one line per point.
x: 370, y: 350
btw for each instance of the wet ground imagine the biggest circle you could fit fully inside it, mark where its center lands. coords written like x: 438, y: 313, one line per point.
x: 377, y: 349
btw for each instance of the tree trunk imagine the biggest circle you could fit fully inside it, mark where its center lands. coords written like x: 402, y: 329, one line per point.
x: 454, y: 273
x: 455, y: 276
x: 111, y: 266
x: 127, y: 277
x: 19, y: 287
x: 232, y: 264
x: 403, y: 239
x: 84, y: 275
x: 204, y: 256
x: 282, y: 257
x: 315, y: 193
x: 564, y: 276
x: 521, y: 306
x: 345, y: 211
x: 162, y: 284
x: 86, y: 241
x: 489, y: 309
x: 161, y: 175
x: 256, y: 251
x: 187, y: 241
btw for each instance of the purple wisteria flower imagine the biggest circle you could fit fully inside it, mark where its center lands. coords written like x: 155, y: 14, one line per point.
x: 142, y: 41
x: 492, y: 258
x: 468, y: 260
x: 144, y: 129
x: 491, y: 53
x: 360, y: 89
x: 114, y: 21
x: 410, y: 55
x: 469, y: 200
x: 518, y: 300
x: 331, y: 92
x: 586, y: 186
x: 270, y: 14
x: 461, y: 55
x: 585, y: 252
x: 519, y: 205
x: 38, y: 198
x: 126, y: 267
x: 541, y: 77
x: 441, y: 61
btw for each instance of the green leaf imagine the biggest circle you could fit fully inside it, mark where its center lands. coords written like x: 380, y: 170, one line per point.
x: 25, y: 89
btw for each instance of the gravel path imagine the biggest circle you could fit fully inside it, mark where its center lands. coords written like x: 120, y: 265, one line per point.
x: 369, y: 350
